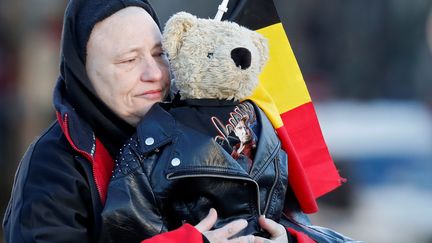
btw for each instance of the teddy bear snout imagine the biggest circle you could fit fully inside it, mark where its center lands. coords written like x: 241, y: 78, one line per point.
x: 242, y: 57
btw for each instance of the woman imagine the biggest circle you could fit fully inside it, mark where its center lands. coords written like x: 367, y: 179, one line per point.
x: 112, y: 71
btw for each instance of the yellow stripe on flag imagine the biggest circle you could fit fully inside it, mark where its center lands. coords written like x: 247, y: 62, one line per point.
x: 263, y: 99
x: 281, y: 76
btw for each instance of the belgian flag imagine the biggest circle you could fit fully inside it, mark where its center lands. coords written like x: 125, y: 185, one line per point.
x: 284, y: 97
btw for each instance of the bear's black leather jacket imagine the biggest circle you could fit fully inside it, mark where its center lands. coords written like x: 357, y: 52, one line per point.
x: 170, y: 174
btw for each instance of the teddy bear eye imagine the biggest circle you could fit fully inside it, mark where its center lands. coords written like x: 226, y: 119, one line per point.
x: 210, y: 55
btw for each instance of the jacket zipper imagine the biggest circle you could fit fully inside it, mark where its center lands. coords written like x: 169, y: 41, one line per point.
x: 85, y: 154
x: 272, y: 158
x: 274, y: 185
x: 171, y: 177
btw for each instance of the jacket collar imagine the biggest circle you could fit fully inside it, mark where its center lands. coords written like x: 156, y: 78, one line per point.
x: 82, y: 139
x: 81, y: 135
x: 156, y: 128
x: 159, y: 127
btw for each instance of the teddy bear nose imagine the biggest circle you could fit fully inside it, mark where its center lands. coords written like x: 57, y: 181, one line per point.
x: 242, y: 57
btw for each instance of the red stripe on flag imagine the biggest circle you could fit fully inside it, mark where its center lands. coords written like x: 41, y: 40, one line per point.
x: 297, y: 175
x: 311, y: 169
x: 300, y: 236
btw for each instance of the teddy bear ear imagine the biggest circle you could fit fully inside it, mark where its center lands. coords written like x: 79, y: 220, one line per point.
x: 175, y: 29
x: 261, y: 44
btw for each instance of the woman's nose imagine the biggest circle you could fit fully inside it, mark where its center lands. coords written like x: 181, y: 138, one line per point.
x: 151, y: 71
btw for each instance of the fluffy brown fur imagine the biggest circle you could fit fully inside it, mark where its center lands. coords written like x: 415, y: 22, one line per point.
x: 199, y: 51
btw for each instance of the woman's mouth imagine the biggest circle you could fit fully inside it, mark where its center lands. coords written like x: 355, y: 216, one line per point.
x: 152, y: 95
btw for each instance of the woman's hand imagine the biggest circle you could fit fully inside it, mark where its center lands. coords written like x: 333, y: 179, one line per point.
x: 277, y: 231
x: 225, y: 233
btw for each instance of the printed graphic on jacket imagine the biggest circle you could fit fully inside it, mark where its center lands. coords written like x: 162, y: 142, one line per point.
x: 238, y: 135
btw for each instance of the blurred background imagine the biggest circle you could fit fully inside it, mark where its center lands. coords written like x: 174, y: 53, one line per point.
x: 368, y: 67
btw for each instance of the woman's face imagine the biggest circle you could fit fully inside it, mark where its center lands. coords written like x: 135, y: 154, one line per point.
x: 126, y: 64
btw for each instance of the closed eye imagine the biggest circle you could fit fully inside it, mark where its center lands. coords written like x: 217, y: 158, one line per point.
x: 131, y: 60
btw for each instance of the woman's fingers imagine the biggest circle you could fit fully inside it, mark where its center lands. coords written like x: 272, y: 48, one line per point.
x: 243, y: 239
x: 231, y: 229
x: 276, y: 230
x: 207, y: 223
x: 225, y: 233
x: 258, y: 239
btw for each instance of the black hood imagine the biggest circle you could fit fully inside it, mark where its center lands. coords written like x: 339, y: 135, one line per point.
x: 79, y: 19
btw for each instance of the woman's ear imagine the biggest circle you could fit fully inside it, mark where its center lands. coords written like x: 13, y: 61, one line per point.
x: 261, y: 44
x: 175, y: 30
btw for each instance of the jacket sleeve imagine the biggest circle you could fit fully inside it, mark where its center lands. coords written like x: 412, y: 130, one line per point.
x: 50, y: 199
x: 131, y: 212
x: 300, y: 229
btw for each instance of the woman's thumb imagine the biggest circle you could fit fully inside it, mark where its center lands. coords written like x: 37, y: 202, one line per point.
x: 271, y: 226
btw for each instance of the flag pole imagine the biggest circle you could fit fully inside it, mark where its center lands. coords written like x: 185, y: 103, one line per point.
x: 221, y: 10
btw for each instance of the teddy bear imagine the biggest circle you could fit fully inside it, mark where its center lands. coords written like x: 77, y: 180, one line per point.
x: 213, y: 59
x: 217, y: 60
x: 210, y: 147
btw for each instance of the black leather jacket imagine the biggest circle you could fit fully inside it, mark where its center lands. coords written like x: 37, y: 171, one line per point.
x: 172, y: 171
x: 56, y: 197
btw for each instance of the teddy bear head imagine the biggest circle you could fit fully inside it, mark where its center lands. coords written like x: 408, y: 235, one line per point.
x: 213, y: 59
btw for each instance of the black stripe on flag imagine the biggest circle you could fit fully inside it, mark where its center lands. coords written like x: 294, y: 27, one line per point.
x: 253, y: 14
